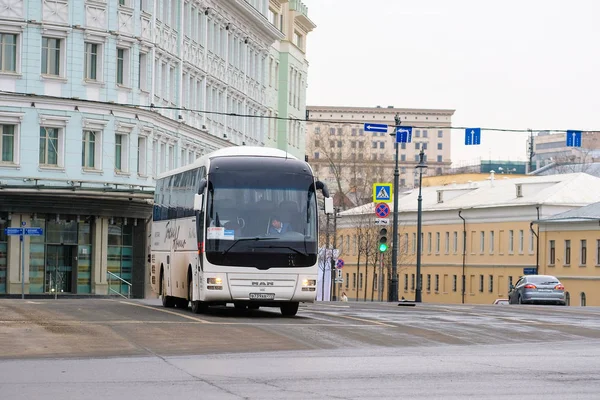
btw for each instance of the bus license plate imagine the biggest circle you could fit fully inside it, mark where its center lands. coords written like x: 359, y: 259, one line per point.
x: 262, y: 296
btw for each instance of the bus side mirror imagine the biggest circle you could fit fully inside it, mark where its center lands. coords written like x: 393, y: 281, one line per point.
x: 202, y: 186
x: 328, y: 205
x: 198, y: 202
x: 323, y: 188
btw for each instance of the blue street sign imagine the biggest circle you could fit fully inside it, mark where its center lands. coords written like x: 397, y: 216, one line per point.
x: 472, y: 136
x: 13, y: 231
x: 382, y: 192
x: 404, y: 134
x: 573, y: 138
x: 375, y: 127
x: 34, y: 231
x: 529, y: 271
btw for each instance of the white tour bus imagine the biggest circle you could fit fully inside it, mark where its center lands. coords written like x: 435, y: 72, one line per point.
x: 214, y: 240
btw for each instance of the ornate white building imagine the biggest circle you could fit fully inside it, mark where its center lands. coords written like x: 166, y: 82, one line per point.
x: 99, y: 97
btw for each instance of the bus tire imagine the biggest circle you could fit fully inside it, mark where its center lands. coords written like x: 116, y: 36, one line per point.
x: 167, y: 301
x: 289, y: 309
x: 182, y: 303
x: 198, y: 307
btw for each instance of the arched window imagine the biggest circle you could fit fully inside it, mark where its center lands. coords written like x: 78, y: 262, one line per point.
x: 567, y: 299
x: 582, y: 299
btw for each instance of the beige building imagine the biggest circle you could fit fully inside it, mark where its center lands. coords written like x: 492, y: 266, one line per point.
x: 572, y: 253
x: 477, y: 238
x: 350, y: 160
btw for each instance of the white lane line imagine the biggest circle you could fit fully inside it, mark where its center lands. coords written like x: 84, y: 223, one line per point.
x: 354, y: 318
x: 168, y: 312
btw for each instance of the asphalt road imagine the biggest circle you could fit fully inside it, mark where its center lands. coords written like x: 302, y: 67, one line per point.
x: 95, y: 348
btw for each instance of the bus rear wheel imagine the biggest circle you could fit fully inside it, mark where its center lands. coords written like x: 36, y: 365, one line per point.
x: 167, y: 301
x: 289, y: 309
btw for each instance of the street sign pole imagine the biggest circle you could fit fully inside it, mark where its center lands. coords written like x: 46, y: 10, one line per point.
x: 22, y: 266
x: 393, y: 287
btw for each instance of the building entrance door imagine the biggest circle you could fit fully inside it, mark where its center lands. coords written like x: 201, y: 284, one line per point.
x: 60, y: 267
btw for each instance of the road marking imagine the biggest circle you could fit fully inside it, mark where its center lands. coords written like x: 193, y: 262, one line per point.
x: 168, y: 312
x: 354, y: 318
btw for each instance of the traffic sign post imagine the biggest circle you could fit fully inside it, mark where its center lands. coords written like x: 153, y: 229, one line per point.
x: 23, y: 232
x: 404, y: 134
x: 375, y: 127
x: 382, y: 210
x: 472, y: 136
x: 573, y: 138
x: 382, y: 192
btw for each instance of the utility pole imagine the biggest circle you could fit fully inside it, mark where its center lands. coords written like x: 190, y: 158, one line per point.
x: 531, y: 152
x: 333, y: 269
x: 393, y: 287
x: 326, y: 257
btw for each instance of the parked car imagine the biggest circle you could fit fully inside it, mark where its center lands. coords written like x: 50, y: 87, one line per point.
x: 537, y: 289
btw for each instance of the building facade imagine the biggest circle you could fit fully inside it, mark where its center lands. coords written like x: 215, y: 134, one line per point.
x: 97, y: 98
x: 477, y: 239
x: 551, y: 148
x: 350, y: 160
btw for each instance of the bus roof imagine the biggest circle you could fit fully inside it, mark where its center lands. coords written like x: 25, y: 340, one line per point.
x: 234, y: 151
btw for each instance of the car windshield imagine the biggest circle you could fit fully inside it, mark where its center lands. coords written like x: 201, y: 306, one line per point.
x: 543, y: 280
x: 253, y: 217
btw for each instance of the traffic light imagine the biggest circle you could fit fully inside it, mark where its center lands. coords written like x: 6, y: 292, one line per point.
x: 383, y: 246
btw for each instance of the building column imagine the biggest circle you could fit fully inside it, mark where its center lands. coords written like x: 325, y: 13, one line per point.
x: 14, y: 266
x: 99, y: 257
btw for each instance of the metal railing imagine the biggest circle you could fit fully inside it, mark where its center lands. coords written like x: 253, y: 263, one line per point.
x: 110, y: 277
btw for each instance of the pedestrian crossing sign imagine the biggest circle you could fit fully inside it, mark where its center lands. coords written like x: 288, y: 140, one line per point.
x: 382, y: 192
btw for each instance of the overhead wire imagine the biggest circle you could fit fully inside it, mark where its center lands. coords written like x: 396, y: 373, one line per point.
x: 327, y: 121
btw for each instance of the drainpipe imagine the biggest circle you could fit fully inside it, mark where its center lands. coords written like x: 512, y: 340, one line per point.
x: 464, y: 255
x: 537, y: 239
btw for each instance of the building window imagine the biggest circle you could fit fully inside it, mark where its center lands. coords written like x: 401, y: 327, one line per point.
x: 48, y: 150
x: 429, y: 282
x: 122, y: 68
x: 521, y: 241
x: 481, y: 283
x: 440, y: 146
x: 360, y: 281
x: 121, y: 147
x: 598, y: 252
x: 405, y: 281
x: 437, y: 242
x: 429, y: 242
x: 354, y: 281
x: 141, y: 155
x: 90, y: 64
x: 552, y: 254
x: 583, y: 254
x: 412, y: 281
x: 437, y: 283
x: 439, y: 159
x: 120, y: 253
x: 455, y: 242
x: 583, y: 300
x: 531, y: 239
x: 454, y: 282
x: 347, y: 283
x: 491, y: 288
x: 91, y: 145
x: 440, y: 134
x: 143, y: 71
x: 8, y: 52
x: 447, y: 243
x: 567, y: 252
x: 51, y: 56
x: 482, y: 242
x: 511, y: 235
x: 491, y: 242
x: 7, y: 144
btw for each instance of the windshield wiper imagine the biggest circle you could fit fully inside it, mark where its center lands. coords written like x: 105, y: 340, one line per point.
x: 285, y: 247
x: 256, y: 239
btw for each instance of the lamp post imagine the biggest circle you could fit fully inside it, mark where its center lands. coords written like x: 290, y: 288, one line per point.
x: 421, y: 166
x: 393, y: 292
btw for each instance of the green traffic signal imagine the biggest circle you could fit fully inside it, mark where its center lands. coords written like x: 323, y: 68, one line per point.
x: 383, y: 240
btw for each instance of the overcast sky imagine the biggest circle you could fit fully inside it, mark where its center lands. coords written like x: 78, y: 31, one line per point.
x: 514, y: 64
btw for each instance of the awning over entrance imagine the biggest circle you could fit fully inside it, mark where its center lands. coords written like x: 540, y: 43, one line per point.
x: 105, y: 204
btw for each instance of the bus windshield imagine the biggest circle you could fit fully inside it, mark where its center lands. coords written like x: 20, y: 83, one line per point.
x: 263, y: 219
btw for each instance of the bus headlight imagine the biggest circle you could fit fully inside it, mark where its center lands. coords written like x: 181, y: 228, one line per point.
x: 214, y: 281
x: 308, y: 285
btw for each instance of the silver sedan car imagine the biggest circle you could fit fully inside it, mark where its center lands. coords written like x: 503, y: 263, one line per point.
x: 537, y: 289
